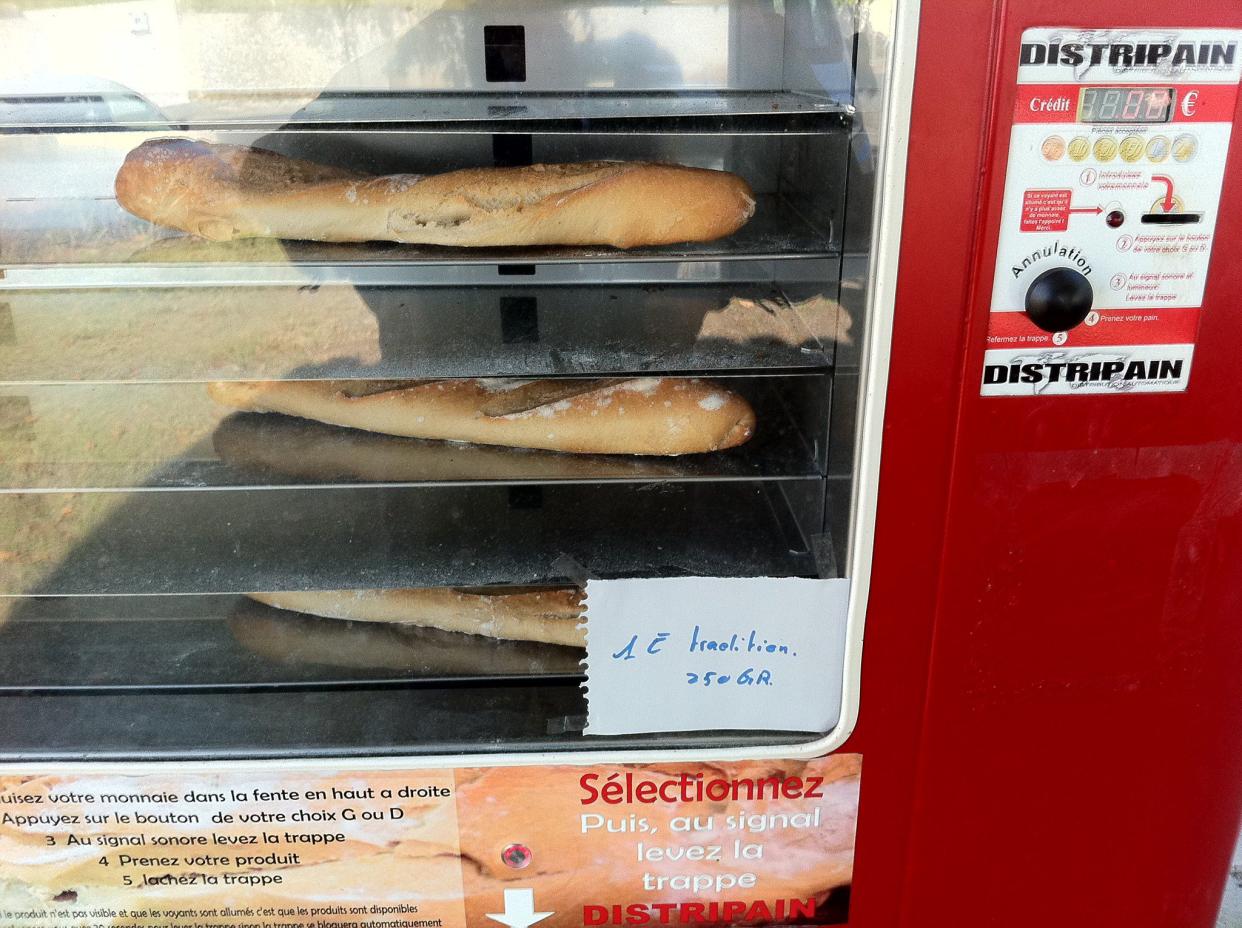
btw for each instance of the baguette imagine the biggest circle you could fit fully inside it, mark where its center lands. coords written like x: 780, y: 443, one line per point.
x: 298, y: 638
x: 550, y: 616
x: 307, y: 450
x: 648, y: 415
x: 226, y: 192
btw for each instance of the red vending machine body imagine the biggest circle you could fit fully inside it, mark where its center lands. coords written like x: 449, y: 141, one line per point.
x: 1077, y: 757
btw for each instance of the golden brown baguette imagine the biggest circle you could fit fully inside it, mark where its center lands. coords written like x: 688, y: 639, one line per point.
x: 225, y: 192
x: 550, y: 616
x: 646, y: 415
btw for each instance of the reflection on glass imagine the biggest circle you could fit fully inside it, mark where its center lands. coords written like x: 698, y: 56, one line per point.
x: 136, y: 513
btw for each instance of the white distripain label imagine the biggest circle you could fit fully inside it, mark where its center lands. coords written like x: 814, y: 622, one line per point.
x: 1062, y: 372
x: 1117, y: 157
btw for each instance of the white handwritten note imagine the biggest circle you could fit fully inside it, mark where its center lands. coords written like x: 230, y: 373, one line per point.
x: 705, y: 653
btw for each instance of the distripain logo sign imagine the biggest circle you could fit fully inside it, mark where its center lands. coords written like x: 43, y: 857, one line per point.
x: 1126, y: 54
x: 730, y: 912
x: 1084, y: 372
x: 1137, y: 369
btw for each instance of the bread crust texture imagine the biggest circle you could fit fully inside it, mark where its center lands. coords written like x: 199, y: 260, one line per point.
x: 551, y: 616
x: 664, y: 416
x: 227, y: 192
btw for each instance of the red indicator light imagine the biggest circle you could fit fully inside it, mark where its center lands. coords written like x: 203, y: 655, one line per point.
x: 516, y: 856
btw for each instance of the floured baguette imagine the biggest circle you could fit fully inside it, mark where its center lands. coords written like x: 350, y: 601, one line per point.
x: 550, y: 616
x: 225, y: 192
x: 647, y: 415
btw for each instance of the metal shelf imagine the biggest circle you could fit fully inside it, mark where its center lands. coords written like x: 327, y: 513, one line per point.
x: 230, y: 642
x: 730, y: 111
x: 307, y: 277
x: 229, y: 541
x: 129, y: 437
x: 478, y: 328
x: 352, y: 722
x: 80, y: 241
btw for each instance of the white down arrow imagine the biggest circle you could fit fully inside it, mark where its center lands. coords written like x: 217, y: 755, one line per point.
x: 519, y: 909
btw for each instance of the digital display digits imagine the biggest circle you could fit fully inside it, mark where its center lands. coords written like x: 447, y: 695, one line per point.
x: 1125, y: 104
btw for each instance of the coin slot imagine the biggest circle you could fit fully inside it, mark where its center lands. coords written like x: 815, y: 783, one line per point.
x: 1170, y: 219
x: 519, y: 320
x: 515, y: 270
x: 504, y: 53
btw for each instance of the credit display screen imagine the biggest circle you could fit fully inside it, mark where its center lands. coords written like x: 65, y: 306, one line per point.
x: 1125, y: 104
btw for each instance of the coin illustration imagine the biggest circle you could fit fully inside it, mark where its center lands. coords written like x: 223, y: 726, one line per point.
x: 1079, y: 148
x: 1173, y: 205
x: 1158, y: 149
x: 1131, y: 148
x: 1184, y: 147
x: 1105, y: 148
x: 1053, y: 148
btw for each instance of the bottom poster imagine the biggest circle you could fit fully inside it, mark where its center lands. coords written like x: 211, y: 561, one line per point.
x: 669, y: 844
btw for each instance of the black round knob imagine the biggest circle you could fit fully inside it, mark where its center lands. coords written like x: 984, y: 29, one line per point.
x: 1059, y: 299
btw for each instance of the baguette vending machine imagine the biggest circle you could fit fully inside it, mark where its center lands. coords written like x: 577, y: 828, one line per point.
x: 756, y: 462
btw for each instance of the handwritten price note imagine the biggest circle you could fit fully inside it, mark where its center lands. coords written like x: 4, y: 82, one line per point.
x: 704, y: 653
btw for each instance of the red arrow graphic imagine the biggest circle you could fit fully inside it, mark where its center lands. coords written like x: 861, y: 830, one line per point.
x: 1088, y: 209
x: 1168, y: 190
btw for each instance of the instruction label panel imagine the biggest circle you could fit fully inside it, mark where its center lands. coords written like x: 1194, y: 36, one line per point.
x: 739, y: 653
x: 761, y: 842
x: 1116, y: 161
